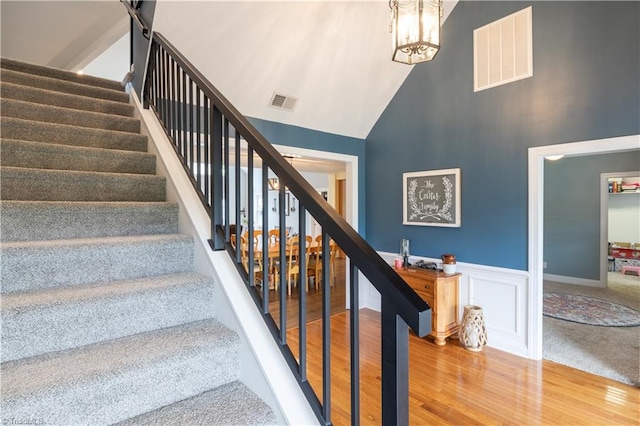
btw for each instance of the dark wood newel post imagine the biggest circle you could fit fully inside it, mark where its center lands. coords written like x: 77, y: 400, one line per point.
x: 395, y: 367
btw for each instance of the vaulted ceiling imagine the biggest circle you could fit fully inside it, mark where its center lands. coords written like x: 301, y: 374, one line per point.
x: 332, y: 56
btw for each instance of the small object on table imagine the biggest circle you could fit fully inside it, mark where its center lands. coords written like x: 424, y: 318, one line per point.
x: 449, y: 263
x: 399, y: 263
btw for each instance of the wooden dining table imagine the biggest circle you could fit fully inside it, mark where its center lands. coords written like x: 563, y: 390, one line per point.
x: 273, y: 255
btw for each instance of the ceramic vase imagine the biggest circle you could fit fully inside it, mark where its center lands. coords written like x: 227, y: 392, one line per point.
x: 473, y: 334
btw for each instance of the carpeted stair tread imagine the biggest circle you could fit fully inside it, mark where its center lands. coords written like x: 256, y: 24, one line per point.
x: 20, y: 183
x: 65, y: 86
x: 39, y: 155
x: 62, y: 115
x: 230, y: 404
x: 25, y: 67
x: 56, y: 319
x: 34, y: 265
x: 111, y: 381
x: 104, y: 318
x: 49, y: 97
x: 64, y: 134
x: 53, y: 220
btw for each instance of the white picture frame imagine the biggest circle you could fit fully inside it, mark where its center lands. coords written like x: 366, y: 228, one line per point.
x: 431, y: 198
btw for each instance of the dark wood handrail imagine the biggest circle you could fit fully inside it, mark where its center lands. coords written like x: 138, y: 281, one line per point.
x: 200, y: 121
x: 413, y: 310
x: 135, y: 15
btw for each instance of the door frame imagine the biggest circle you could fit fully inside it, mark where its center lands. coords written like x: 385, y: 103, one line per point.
x: 536, y: 157
x: 351, y: 177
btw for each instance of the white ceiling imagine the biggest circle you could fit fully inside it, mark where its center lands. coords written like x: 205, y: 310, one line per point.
x: 60, y: 34
x: 333, y: 56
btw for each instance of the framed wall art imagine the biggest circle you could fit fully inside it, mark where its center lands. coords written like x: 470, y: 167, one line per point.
x: 431, y: 198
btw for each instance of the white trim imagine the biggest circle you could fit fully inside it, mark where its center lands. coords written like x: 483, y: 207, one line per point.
x: 575, y: 280
x: 536, y: 220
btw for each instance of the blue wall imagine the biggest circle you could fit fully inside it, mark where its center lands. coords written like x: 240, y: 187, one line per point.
x: 572, y: 211
x: 585, y: 86
x: 283, y: 134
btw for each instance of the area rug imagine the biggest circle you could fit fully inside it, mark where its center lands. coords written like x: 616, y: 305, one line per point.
x: 590, y: 311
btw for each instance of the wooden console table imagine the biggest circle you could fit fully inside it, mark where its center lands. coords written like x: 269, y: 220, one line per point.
x: 440, y: 291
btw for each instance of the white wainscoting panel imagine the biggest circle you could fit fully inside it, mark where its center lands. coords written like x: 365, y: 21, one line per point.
x: 502, y: 293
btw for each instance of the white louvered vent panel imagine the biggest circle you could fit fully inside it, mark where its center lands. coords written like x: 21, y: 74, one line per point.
x: 281, y: 101
x: 503, y: 51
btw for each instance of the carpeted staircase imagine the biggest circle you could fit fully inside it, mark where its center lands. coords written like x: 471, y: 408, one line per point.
x: 103, y: 318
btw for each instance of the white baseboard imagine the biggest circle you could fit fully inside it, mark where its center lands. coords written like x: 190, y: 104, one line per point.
x: 502, y: 293
x: 573, y: 280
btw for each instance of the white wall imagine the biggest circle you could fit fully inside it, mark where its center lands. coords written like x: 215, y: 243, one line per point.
x: 113, y: 63
x: 624, y: 217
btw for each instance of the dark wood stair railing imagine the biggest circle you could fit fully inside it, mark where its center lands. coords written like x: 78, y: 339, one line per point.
x: 204, y: 127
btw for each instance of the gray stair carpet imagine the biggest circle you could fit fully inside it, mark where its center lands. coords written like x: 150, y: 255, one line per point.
x: 55, y: 114
x: 48, y: 97
x: 104, y: 319
x: 40, y: 155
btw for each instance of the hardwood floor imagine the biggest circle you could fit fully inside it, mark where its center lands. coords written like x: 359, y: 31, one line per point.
x: 450, y: 385
x: 314, y: 299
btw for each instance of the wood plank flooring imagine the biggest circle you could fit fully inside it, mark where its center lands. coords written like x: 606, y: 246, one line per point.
x: 450, y: 385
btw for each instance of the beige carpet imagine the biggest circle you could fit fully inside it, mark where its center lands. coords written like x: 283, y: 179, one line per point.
x: 612, y: 352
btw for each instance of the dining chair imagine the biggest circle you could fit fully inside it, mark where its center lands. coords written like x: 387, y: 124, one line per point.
x: 293, y: 260
x: 317, y: 260
x: 273, y: 236
x: 257, y: 254
x: 314, y: 263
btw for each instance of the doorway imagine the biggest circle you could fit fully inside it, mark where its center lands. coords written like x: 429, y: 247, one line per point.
x: 342, y: 191
x: 606, y: 203
x: 536, y: 221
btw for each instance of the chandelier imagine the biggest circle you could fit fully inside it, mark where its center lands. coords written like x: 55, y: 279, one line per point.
x: 415, y: 26
x: 274, y: 183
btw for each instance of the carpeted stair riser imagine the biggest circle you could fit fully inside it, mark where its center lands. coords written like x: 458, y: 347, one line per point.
x: 118, y: 379
x: 60, y: 115
x: 11, y: 64
x: 38, y: 155
x: 34, y: 323
x: 103, y: 318
x: 54, y: 220
x: 64, y: 134
x: 68, y: 87
x: 230, y: 404
x: 65, y: 185
x: 48, y: 97
x: 35, y: 265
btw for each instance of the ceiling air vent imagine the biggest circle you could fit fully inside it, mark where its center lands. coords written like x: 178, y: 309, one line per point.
x: 283, y: 101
